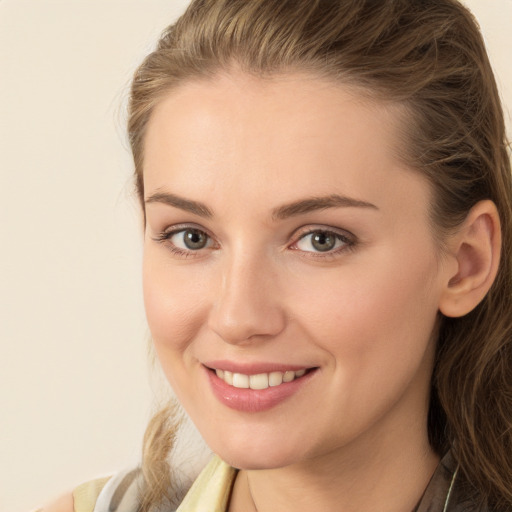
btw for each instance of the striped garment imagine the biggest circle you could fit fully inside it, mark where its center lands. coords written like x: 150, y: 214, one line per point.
x: 211, y: 491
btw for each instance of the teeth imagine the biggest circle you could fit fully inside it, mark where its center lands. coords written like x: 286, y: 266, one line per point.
x: 259, y: 381
x: 240, y: 380
x: 288, y: 376
x: 275, y: 378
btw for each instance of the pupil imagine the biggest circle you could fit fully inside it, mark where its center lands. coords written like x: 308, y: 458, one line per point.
x: 323, y: 241
x: 194, y: 239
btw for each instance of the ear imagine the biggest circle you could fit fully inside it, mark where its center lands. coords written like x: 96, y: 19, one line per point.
x: 475, y: 250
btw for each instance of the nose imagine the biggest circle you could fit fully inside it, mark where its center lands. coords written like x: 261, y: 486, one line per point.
x: 247, y: 305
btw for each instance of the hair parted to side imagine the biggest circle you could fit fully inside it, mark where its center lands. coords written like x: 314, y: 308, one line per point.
x: 430, y: 57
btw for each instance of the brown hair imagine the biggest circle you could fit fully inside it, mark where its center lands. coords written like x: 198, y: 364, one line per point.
x: 430, y: 57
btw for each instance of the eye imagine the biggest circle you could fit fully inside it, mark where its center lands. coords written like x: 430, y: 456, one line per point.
x: 322, y: 241
x: 189, y: 239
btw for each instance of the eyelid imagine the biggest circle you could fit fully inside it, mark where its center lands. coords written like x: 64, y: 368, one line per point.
x: 351, y: 240
x: 313, y: 228
x: 164, y: 237
x: 176, y: 228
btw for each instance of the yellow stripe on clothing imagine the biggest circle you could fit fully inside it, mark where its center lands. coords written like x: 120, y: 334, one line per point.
x: 211, y: 490
x: 85, y: 495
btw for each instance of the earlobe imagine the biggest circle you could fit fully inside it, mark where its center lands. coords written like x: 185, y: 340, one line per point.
x: 475, y: 248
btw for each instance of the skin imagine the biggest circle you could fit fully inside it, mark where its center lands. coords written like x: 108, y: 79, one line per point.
x: 62, y: 504
x: 364, y: 313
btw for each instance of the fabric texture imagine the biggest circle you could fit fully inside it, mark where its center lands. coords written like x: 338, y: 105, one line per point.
x: 86, y: 495
x: 446, y: 491
x: 212, y: 489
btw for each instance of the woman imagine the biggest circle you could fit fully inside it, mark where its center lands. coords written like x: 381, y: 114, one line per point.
x: 327, y: 202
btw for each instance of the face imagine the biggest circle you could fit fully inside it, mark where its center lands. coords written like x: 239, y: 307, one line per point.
x: 290, y: 273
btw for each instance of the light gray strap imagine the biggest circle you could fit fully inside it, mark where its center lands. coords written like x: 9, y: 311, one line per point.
x: 448, y: 495
x: 121, y: 492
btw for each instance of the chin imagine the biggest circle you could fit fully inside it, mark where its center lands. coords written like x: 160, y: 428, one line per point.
x: 258, y: 453
x: 265, y: 459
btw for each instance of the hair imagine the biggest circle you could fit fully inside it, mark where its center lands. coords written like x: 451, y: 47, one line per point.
x: 428, y: 56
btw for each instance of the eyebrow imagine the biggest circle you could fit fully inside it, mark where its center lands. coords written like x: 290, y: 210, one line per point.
x: 280, y: 213
x: 187, y: 205
x: 318, y: 203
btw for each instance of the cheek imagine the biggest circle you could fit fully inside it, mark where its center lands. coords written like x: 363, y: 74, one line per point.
x: 376, y: 326
x: 175, y: 309
x: 372, y: 314
x: 174, y: 302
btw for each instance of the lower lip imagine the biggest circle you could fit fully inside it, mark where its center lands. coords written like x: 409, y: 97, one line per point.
x: 255, y: 400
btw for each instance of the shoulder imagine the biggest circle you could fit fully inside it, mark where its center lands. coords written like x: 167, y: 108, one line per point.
x: 111, y: 494
x: 85, y: 495
x: 82, y: 499
x: 64, y: 504
x: 122, y: 492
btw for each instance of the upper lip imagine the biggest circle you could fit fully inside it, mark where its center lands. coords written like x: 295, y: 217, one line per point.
x: 254, y: 368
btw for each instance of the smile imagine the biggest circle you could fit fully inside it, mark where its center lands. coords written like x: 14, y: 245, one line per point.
x: 258, y: 387
x: 260, y: 380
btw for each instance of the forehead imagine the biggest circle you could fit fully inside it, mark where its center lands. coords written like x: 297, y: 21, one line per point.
x: 294, y: 133
x: 282, y: 110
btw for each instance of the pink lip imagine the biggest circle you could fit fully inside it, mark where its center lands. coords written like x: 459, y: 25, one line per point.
x: 252, y: 368
x: 252, y: 400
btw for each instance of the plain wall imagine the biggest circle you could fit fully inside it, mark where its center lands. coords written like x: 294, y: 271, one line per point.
x: 75, y: 393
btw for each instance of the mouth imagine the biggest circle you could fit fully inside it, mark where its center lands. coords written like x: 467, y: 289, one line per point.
x: 259, y: 381
x: 256, y: 388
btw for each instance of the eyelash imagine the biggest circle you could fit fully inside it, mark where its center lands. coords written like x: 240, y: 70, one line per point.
x: 165, y: 236
x: 349, y: 242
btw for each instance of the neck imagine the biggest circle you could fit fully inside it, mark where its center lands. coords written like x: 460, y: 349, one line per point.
x: 387, y: 476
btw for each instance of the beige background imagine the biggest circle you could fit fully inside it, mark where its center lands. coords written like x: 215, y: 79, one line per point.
x: 75, y: 393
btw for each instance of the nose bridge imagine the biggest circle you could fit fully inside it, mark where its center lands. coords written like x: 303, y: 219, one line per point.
x: 247, y: 303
